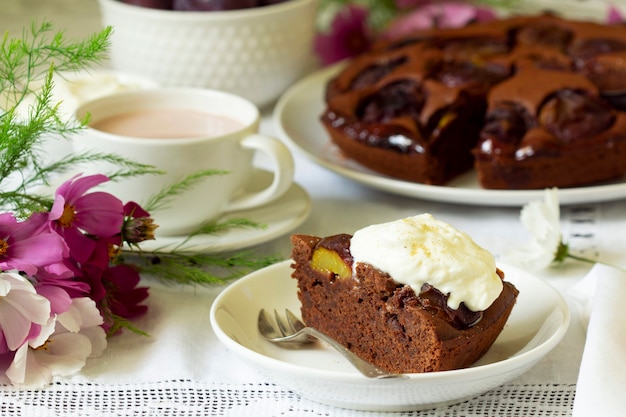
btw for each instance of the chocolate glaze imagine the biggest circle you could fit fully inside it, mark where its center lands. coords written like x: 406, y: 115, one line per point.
x: 502, y: 97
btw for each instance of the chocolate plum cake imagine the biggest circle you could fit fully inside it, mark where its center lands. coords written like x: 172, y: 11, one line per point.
x: 529, y: 102
x: 389, y: 323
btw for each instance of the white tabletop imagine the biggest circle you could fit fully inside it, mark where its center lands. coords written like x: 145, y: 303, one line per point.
x: 203, y: 378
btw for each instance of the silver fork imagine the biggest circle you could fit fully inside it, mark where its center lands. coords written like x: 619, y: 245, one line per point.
x: 292, y: 331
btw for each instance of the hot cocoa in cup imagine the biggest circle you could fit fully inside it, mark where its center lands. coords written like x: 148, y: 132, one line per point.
x: 183, y: 131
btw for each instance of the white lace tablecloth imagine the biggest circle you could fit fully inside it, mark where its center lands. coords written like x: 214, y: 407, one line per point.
x: 187, y: 398
x: 183, y: 370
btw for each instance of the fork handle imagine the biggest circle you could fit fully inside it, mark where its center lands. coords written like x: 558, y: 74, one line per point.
x: 366, y: 368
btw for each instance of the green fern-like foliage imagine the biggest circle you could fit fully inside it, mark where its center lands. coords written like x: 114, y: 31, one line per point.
x: 28, y: 114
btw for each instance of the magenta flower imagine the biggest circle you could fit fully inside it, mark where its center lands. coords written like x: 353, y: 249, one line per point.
x: 28, y: 245
x: 348, y: 36
x: 438, y: 15
x: 92, y: 270
x: 77, y: 214
x: 123, y: 297
x: 614, y: 16
x: 113, y: 288
x: 62, y: 275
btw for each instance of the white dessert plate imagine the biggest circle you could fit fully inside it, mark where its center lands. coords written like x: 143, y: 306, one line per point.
x: 280, y: 216
x: 296, y: 119
x: 536, y: 325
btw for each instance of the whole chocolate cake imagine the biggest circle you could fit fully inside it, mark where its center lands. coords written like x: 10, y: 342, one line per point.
x: 529, y: 102
x: 446, y: 316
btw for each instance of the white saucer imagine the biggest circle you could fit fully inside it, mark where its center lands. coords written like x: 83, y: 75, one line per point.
x: 538, y: 322
x: 280, y: 217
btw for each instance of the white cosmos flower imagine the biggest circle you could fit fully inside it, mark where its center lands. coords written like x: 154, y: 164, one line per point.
x: 542, y: 220
x: 84, y: 317
x: 21, y: 308
x: 62, y: 347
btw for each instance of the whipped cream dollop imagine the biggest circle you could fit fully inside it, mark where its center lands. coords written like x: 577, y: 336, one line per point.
x: 420, y: 249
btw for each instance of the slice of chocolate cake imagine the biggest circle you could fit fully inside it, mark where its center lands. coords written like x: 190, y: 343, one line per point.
x: 530, y: 102
x: 447, y: 323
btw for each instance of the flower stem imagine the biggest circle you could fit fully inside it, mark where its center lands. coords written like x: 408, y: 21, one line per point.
x: 591, y: 261
x: 580, y: 258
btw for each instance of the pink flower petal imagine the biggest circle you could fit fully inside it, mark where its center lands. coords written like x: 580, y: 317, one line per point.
x: 453, y: 15
x: 81, y: 246
x: 441, y: 15
x: 614, y: 16
x: 76, y: 186
x: 348, y: 36
x: 100, y: 214
x: 39, y: 250
x: 60, y: 300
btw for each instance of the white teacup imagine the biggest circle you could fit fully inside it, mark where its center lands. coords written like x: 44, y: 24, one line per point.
x: 183, y: 131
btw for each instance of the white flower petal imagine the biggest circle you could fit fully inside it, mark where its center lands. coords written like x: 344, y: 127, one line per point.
x: 89, y: 311
x: 70, y: 320
x: 5, y: 287
x: 66, y: 353
x: 82, y: 313
x: 531, y: 256
x: 541, y: 219
x: 14, y: 326
x: 17, y: 370
x: 44, y: 334
x: 33, y: 307
x: 98, y: 338
x: 552, y: 201
x: 19, y: 308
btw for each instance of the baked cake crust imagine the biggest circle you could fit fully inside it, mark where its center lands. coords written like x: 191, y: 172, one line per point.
x: 423, y: 108
x: 385, y: 323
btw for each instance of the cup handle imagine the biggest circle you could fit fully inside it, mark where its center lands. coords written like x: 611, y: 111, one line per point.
x: 283, y: 172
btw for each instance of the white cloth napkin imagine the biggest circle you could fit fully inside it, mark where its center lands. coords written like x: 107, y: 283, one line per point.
x: 601, y: 387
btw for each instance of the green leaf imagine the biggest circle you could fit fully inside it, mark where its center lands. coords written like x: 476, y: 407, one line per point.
x: 218, y: 226
x: 161, y: 199
x: 119, y: 323
x: 562, y: 252
x: 28, y: 115
x: 199, y: 268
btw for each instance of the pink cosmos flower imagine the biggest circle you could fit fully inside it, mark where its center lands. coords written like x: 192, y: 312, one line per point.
x: 63, y: 276
x: 438, y: 15
x: 28, y: 245
x: 614, y: 16
x: 348, y: 36
x: 62, y: 348
x: 76, y: 214
x: 22, y: 311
